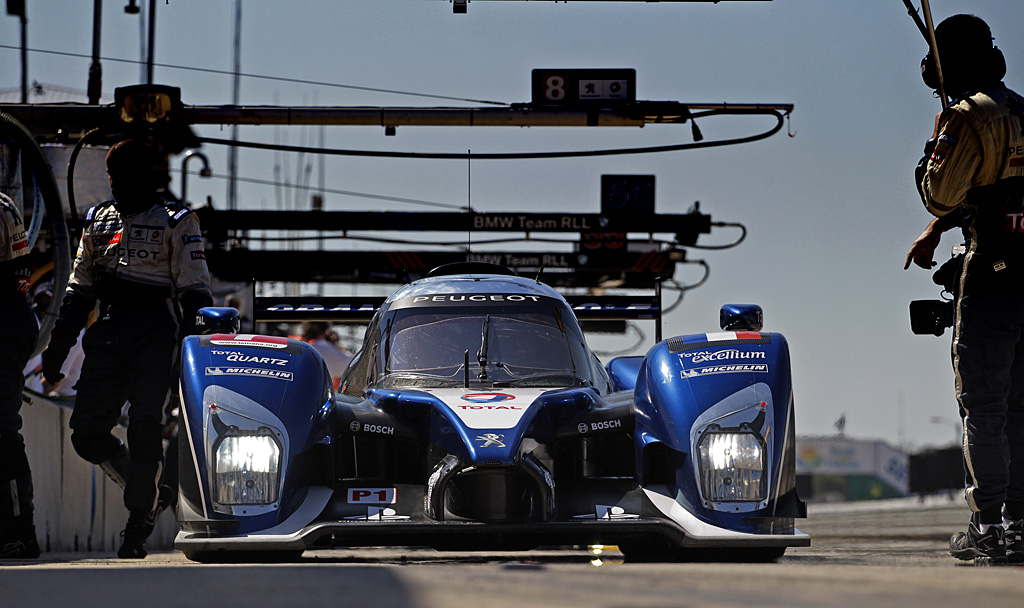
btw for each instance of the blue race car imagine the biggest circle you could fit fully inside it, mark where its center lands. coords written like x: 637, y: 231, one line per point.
x: 476, y: 417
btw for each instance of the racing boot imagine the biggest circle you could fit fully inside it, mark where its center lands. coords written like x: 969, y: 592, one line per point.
x: 140, y: 526
x: 134, y: 535
x: 17, y: 530
x: 989, y: 546
x: 1015, y: 541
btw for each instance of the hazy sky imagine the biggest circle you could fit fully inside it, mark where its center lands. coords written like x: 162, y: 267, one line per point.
x: 831, y: 212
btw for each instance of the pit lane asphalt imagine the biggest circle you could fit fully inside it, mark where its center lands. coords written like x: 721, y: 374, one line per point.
x: 879, y: 554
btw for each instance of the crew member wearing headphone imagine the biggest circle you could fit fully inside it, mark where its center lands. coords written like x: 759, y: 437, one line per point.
x: 141, y: 258
x: 972, y: 177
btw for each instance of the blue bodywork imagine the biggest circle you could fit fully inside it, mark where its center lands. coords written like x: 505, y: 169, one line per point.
x: 475, y: 400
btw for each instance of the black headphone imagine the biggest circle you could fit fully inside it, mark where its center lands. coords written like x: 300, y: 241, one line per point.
x: 988, y: 67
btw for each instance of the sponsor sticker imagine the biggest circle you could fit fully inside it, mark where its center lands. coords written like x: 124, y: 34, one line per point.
x: 243, y: 358
x: 487, y: 397
x: 703, y: 356
x: 725, y: 369
x: 151, y: 235
x: 188, y: 239
x: 605, y: 424
x: 379, y: 514
x: 607, y: 512
x: 249, y: 340
x: 252, y: 372
x: 380, y: 496
x: 355, y: 426
x: 198, y: 255
x: 713, y: 340
x: 463, y: 299
x: 491, y: 440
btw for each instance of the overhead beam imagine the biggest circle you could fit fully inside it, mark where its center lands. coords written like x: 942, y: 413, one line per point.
x: 77, y: 117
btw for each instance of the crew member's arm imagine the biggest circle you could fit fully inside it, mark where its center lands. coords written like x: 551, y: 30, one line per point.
x: 951, y: 162
x: 189, y: 272
x: 923, y: 249
x: 79, y: 300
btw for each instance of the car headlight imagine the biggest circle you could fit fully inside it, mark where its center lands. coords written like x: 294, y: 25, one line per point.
x: 731, y: 467
x: 247, y: 469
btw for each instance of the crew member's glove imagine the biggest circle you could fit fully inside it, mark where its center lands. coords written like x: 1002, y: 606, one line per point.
x: 191, y: 302
x: 61, y: 341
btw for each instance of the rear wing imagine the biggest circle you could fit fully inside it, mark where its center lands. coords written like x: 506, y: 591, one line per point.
x: 359, y: 310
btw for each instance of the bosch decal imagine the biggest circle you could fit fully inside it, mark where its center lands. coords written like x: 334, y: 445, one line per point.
x: 605, y: 424
x: 379, y: 429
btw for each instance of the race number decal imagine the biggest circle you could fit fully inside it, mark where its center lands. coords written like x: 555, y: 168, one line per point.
x: 567, y: 87
x: 376, y: 496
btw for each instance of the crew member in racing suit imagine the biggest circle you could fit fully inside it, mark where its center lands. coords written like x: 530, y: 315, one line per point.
x: 140, y: 257
x: 18, y: 327
x: 972, y: 176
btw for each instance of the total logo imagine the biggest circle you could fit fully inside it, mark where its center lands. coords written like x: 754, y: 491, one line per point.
x: 487, y: 397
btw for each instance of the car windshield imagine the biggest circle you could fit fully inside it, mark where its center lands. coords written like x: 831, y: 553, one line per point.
x: 521, y: 347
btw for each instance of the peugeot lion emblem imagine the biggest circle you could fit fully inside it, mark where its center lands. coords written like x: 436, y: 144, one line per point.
x: 490, y: 439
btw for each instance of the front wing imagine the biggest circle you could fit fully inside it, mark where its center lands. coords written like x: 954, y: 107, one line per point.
x: 660, y: 517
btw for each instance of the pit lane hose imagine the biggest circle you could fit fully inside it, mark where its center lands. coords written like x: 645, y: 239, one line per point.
x: 42, y: 173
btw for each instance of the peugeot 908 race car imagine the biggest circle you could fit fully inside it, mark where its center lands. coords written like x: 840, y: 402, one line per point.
x: 476, y: 417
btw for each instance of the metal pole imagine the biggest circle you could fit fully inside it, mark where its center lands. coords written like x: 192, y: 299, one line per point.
x: 235, y: 86
x: 152, y: 39
x: 935, y: 51
x: 95, y: 87
x: 24, y: 55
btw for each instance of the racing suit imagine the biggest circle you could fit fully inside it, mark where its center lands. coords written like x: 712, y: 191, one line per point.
x: 135, y: 264
x: 19, y: 330
x: 974, y: 176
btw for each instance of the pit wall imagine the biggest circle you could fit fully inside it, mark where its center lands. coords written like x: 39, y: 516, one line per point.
x: 77, y: 508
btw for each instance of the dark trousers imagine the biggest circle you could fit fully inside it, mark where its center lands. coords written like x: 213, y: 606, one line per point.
x: 19, y: 331
x: 988, y: 361
x: 129, y: 357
